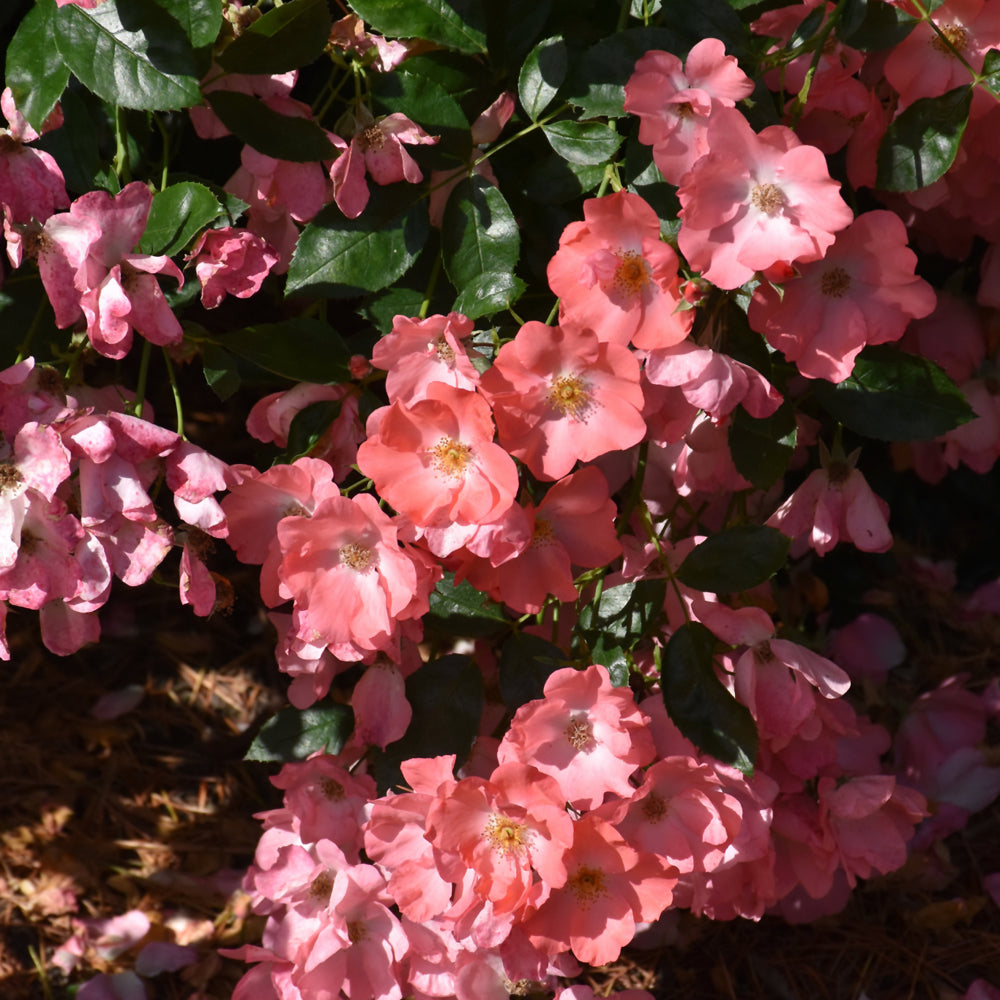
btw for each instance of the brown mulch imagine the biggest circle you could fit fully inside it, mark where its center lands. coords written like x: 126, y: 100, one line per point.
x: 145, y: 810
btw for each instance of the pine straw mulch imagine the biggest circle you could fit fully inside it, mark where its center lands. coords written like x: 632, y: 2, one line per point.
x: 146, y: 810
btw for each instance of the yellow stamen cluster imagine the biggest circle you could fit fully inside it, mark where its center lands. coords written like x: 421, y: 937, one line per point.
x: 588, y: 885
x: 767, y: 197
x: 506, y: 835
x: 570, y: 395
x: 579, y: 733
x: 450, y: 457
x: 356, y: 556
x: 632, y: 274
x: 955, y: 34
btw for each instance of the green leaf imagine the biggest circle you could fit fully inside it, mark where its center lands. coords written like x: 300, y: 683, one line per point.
x: 611, y: 654
x: 200, y: 19
x: 583, y: 142
x: 130, y: 53
x: 542, y: 75
x: 36, y: 79
x: 463, y: 611
x: 460, y: 24
x: 734, y: 559
x: 285, y: 38
x: 884, y: 26
x: 626, y: 614
x: 554, y: 180
x: 177, y: 214
x: 698, y: 702
x: 419, y: 98
x: 294, y: 734
x: 308, y: 427
x: 479, y: 233
x: 895, y: 396
x: 990, y: 76
x: 526, y: 662
x: 340, y: 258
x: 921, y: 144
x: 283, y: 137
x: 303, y: 350
x: 762, y: 448
x: 488, y: 293
x: 221, y: 369
x: 446, y: 696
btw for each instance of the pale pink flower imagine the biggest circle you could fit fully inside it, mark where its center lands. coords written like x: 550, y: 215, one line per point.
x: 382, y: 713
x: 573, y: 526
x: 864, y: 291
x: 585, y: 733
x: 505, y: 829
x: 562, y: 394
x: 376, y: 149
x: 712, y: 381
x: 681, y: 812
x: 922, y: 65
x: 615, y: 276
x: 31, y: 183
x: 835, y: 502
x: 417, y: 352
x: 871, y: 818
x: 674, y: 103
x: 754, y: 201
x: 610, y: 887
x: 230, y: 261
x: 205, y: 121
x: 348, y: 575
x: 380, y: 53
x: 280, y: 192
x: 435, y: 460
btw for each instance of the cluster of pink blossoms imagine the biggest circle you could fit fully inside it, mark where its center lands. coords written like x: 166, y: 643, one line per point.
x: 76, y: 470
x: 589, y: 818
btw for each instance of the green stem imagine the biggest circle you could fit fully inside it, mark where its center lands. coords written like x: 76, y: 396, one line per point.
x: 140, y: 389
x: 431, y: 283
x: 22, y: 351
x: 518, y: 135
x: 178, y: 406
x: 166, y: 151
x: 120, y: 164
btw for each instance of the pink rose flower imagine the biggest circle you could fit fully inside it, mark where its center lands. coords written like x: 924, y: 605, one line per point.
x: 230, y: 261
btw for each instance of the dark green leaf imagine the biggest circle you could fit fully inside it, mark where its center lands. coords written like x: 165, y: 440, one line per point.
x: 285, y: 38
x: 281, y: 136
x: 294, y: 734
x: 460, y: 24
x: 130, y: 53
x: 308, y: 427
x: 221, y: 370
x: 626, y: 614
x: 35, y: 78
x: 512, y: 28
x: 583, y: 142
x: 542, y: 75
x: 303, y: 350
x: 420, y: 99
x: 479, y: 234
x: 644, y: 9
x: 610, y: 653
x: 526, y: 661
x: 340, y: 258
x: 177, y: 214
x: 921, y: 144
x: 200, y: 19
x: 734, y: 559
x: 882, y: 27
x: 488, y: 293
x: 895, y: 396
x: 446, y: 696
x: 698, y: 702
x: 762, y: 448
x: 852, y: 17
x: 553, y: 180
x: 990, y: 72
x: 463, y: 611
